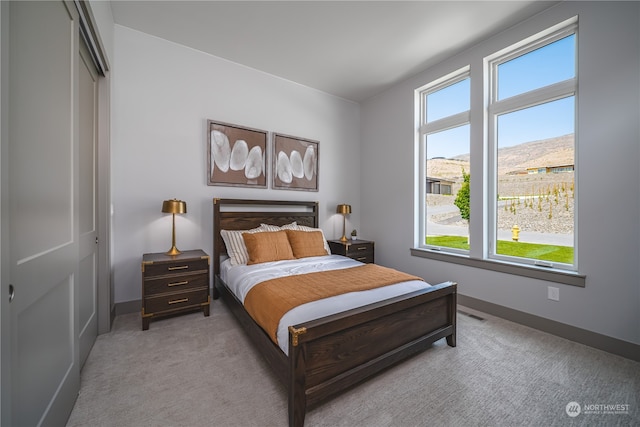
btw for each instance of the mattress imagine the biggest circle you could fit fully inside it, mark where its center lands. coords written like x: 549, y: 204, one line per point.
x: 241, y: 278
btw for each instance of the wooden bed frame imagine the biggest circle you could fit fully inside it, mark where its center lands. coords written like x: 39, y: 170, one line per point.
x: 333, y: 353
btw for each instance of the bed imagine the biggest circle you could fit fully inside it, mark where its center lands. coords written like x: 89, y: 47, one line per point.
x: 327, y: 355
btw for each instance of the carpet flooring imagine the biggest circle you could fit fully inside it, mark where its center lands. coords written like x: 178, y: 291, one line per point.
x: 193, y: 370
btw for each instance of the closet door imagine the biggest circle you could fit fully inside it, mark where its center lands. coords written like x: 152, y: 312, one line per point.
x: 43, y: 211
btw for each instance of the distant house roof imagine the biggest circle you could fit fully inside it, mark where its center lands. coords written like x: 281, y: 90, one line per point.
x: 440, y: 180
x: 548, y: 169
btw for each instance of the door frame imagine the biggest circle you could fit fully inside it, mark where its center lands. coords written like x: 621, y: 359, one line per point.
x: 89, y: 32
x: 106, y: 306
x: 5, y: 351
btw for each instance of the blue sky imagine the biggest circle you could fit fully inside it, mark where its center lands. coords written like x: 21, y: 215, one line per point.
x: 552, y: 63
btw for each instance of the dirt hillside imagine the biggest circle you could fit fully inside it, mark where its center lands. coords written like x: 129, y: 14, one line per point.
x: 536, y: 202
x: 548, y: 152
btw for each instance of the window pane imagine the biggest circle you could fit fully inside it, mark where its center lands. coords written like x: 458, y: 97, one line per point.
x: 549, y: 64
x: 535, y: 182
x: 448, y: 101
x: 447, y: 162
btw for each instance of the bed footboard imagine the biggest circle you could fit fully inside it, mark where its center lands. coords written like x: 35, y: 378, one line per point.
x: 331, y: 354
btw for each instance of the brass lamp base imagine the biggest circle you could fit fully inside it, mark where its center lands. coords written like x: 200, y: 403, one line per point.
x: 344, y: 226
x: 173, y: 251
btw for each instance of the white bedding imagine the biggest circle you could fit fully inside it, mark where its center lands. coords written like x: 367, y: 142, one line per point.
x: 241, y: 278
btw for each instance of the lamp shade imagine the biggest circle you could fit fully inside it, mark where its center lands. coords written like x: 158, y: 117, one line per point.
x: 343, y: 209
x: 174, y: 206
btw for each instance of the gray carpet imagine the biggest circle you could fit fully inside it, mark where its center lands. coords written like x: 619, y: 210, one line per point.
x: 193, y: 370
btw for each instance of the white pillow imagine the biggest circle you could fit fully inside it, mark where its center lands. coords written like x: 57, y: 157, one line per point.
x: 295, y: 226
x: 234, y: 242
x: 269, y: 227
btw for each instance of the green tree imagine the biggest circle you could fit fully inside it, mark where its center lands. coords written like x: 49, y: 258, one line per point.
x: 462, y: 198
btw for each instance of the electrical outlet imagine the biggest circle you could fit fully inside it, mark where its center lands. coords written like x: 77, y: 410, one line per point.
x: 553, y: 293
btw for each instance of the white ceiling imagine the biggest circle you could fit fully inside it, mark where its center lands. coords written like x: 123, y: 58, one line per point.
x: 351, y: 49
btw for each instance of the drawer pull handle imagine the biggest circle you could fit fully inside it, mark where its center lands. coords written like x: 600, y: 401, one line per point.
x: 180, y: 267
x: 178, y: 283
x: 362, y: 248
x: 362, y: 258
x: 178, y: 301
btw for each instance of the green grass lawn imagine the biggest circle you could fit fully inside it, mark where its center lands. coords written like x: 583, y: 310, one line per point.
x: 551, y: 253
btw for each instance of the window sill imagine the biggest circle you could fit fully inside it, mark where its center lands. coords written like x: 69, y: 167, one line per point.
x: 542, y: 273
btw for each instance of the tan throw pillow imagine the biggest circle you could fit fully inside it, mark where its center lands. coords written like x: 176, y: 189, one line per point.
x: 234, y: 242
x: 306, y: 243
x: 267, y: 246
x: 295, y: 226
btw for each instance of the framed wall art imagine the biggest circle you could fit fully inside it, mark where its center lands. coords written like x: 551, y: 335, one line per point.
x: 295, y: 163
x: 236, y: 155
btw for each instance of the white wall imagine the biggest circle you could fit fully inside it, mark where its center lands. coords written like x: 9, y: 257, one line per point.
x: 608, y: 176
x: 163, y: 94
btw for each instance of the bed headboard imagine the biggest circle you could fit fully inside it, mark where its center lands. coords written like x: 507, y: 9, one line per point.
x: 241, y: 214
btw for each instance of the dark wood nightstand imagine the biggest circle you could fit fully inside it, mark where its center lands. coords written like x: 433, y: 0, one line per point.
x: 173, y: 284
x: 360, y: 250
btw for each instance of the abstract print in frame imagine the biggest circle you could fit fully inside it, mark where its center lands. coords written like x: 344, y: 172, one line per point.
x: 295, y: 163
x: 236, y: 156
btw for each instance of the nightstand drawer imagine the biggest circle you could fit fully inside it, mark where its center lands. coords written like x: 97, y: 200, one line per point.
x: 166, y: 302
x: 360, y: 250
x: 187, y: 266
x: 365, y: 256
x: 180, y: 283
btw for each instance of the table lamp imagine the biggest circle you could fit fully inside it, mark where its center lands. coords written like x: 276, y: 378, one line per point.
x: 344, y: 210
x: 174, y: 206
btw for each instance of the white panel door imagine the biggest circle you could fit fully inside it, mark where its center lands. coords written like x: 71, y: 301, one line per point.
x: 43, y: 211
x: 87, y: 201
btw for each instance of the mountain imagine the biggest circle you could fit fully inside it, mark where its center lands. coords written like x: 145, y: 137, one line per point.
x: 547, y: 152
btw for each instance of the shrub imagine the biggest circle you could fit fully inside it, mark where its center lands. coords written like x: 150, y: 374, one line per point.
x: 462, y: 198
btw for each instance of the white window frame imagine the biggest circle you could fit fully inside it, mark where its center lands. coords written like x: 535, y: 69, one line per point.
x: 425, y: 128
x: 483, y: 187
x: 532, y: 98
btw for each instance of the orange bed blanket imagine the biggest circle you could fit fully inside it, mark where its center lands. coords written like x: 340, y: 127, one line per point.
x: 268, y: 301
